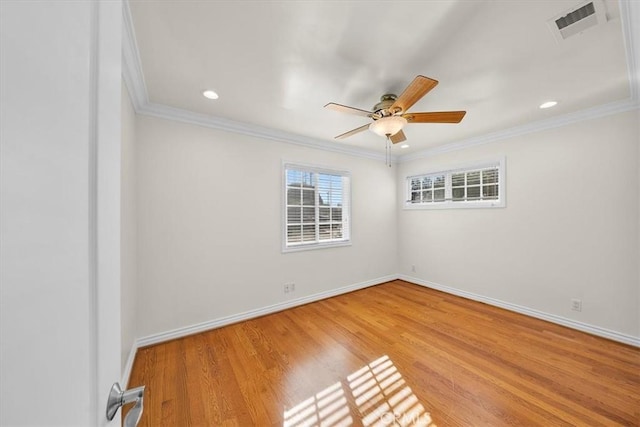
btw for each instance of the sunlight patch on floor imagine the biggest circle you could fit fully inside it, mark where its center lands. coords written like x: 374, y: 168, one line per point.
x: 326, y: 408
x: 381, y: 395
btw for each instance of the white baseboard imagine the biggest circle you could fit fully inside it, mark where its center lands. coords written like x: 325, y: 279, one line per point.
x: 573, y: 324
x: 235, y: 318
x: 129, y: 365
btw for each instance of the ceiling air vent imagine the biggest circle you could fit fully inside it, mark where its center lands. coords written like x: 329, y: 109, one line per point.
x: 575, y: 21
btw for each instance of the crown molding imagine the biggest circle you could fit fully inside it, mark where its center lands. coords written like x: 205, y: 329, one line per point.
x: 134, y: 80
x: 219, y: 123
x: 532, y: 127
x: 630, y: 17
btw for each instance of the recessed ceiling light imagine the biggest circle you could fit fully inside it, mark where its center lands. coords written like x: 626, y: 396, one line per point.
x: 404, y: 146
x: 548, y: 104
x: 210, y: 94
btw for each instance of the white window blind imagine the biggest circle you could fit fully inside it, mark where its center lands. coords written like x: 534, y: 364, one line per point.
x: 427, y: 189
x: 316, y: 210
x: 474, y: 186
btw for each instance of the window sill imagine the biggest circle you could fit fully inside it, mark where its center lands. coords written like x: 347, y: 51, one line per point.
x: 314, y: 246
x: 455, y: 205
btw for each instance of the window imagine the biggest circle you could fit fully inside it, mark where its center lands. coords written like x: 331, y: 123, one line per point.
x: 427, y: 189
x: 316, y: 210
x: 475, y: 186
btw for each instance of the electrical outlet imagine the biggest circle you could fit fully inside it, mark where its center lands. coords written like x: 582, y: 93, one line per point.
x: 287, y: 288
x: 576, y: 304
x: 292, y: 287
x: 413, y: 268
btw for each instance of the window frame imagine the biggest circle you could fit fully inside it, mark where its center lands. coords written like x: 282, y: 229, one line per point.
x: 345, y: 209
x: 448, y: 203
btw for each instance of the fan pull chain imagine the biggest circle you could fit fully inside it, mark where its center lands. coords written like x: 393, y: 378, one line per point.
x: 388, y: 151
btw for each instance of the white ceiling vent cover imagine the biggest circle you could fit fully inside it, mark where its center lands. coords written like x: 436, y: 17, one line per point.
x: 575, y: 21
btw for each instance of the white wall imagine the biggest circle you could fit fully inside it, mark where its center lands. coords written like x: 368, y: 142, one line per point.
x: 209, y: 224
x: 128, y: 231
x: 569, y: 230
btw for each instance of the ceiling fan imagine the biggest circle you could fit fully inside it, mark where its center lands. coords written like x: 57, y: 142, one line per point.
x: 390, y: 114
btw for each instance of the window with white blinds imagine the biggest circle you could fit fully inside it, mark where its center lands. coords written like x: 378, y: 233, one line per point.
x: 428, y: 188
x: 475, y: 186
x: 316, y: 211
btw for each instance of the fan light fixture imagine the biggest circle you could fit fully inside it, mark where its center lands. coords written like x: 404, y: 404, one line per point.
x: 388, y: 126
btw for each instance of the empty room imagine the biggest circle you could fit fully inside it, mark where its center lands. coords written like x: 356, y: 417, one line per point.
x: 320, y: 213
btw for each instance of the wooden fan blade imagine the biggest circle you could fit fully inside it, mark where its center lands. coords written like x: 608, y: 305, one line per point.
x: 435, y: 117
x: 353, y: 132
x: 349, y: 110
x: 398, y: 137
x: 416, y: 90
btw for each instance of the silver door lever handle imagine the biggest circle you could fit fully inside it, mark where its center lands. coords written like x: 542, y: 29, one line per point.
x: 118, y: 398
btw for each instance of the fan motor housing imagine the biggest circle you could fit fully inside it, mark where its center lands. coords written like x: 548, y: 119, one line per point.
x: 386, y: 101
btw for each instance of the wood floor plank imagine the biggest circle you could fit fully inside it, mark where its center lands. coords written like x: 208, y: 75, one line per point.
x: 395, y: 352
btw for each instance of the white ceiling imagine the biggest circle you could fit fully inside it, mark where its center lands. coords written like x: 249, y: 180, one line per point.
x: 276, y: 64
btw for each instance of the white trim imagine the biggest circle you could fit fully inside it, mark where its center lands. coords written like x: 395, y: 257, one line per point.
x: 92, y: 209
x: 235, y: 318
x: 220, y: 123
x: 630, y: 13
x: 312, y: 246
x: 128, y: 367
x: 251, y: 314
x: 133, y: 76
x: 108, y: 187
x: 131, y: 65
x: 134, y: 79
x: 532, y: 127
x: 559, y: 320
x: 499, y: 161
x: 103, y: 170
x: 312, y: 167
x: 346, y: 207
x: 630, y: 16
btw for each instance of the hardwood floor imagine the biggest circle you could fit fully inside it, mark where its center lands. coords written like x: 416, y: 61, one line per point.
x: 396, y: 352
